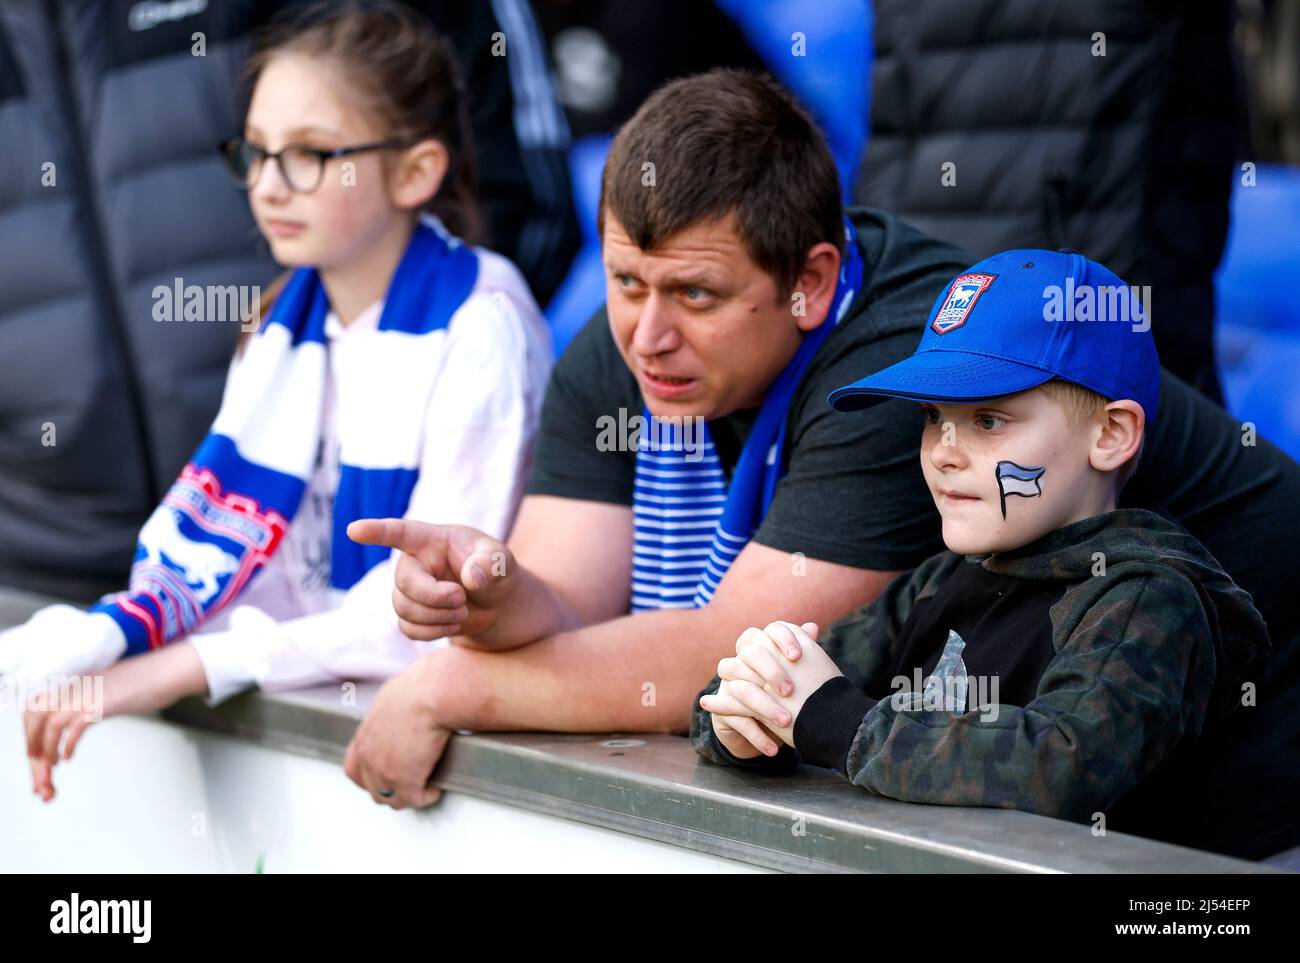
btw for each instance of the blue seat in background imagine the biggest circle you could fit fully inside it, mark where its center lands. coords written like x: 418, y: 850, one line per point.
x: 832, y: 78
x: 1258, y: 307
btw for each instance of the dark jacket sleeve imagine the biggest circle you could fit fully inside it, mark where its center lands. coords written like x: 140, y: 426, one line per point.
x: 1132, y: 677
x: 862, y: 644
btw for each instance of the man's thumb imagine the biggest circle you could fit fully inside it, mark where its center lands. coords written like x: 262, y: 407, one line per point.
x: 483, y: 567
x: 810, y: 629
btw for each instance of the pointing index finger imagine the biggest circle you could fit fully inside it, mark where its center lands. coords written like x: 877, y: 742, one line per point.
x: 399, y: 533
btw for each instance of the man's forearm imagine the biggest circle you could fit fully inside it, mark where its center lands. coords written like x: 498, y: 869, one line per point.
x: 571, y: 565
x: 637, y: 674
x: 534, y: 611
x: 633, y: 672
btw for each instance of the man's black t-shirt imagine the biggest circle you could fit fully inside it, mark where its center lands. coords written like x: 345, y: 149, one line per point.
x: 1237, y: 493
x: 854, y: 493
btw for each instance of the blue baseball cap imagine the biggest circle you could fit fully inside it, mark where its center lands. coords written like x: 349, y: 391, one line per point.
x: 1019, y: 319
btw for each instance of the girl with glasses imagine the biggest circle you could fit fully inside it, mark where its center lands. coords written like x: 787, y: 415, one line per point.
x: 397, y: 372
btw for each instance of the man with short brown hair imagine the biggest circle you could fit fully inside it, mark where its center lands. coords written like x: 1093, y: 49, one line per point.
x: 736, y: 303
x: 728, y: 267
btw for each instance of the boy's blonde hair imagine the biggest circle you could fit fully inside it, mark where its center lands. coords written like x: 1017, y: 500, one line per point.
x: 1083, y: 404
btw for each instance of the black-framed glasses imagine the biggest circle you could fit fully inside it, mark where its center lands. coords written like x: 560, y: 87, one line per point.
x: 302, y: 167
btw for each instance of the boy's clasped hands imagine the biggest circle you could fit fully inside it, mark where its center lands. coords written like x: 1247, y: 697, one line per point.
x: 764, y: 687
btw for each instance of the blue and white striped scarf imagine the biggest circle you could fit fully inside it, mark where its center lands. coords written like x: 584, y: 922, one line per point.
x: 225, y: 516
x: 689, y: 524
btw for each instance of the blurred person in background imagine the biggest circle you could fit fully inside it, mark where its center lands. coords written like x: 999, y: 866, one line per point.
x: 109, y: 187
x: 1110, y: 127
x: 609, y: 57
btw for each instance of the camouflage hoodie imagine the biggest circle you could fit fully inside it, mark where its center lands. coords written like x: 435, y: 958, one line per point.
x: 1148, y: 658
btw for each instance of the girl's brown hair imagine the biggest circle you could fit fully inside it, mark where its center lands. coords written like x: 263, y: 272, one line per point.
x: 402, y: 74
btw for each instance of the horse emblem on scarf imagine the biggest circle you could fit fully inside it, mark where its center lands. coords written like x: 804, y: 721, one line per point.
x: 200, y: 564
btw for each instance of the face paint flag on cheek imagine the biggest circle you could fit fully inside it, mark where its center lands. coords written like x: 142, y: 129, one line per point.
x: 1016, y: 479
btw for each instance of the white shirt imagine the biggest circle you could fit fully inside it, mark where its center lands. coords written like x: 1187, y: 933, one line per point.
x: 289, y: 628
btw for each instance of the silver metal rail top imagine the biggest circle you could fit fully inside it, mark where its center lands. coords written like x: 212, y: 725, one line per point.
x: 655, y: 786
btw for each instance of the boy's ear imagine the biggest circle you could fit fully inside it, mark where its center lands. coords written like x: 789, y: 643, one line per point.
x: 814, y: 291
x: 1121, y: 435
x: 420, y: 173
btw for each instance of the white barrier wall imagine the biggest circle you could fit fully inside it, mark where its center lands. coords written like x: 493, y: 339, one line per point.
x: 256, y: 782
x: 143, y: 795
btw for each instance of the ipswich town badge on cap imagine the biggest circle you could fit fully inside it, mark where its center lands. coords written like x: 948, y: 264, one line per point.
x: 962, y: 295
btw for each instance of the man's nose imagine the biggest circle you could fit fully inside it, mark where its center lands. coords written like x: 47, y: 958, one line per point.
x: 656, y: 331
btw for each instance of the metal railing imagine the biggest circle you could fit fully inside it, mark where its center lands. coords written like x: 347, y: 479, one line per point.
x: 655, y: 787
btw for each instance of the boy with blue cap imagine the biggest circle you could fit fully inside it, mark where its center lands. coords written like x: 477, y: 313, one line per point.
x: 1063, y: 657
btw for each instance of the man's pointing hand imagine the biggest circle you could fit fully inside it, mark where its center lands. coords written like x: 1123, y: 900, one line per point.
x: 450, y: 578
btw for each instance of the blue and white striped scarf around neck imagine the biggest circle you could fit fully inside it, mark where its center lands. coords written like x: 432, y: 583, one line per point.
x: 225, y: 516
x: 689, y: 524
